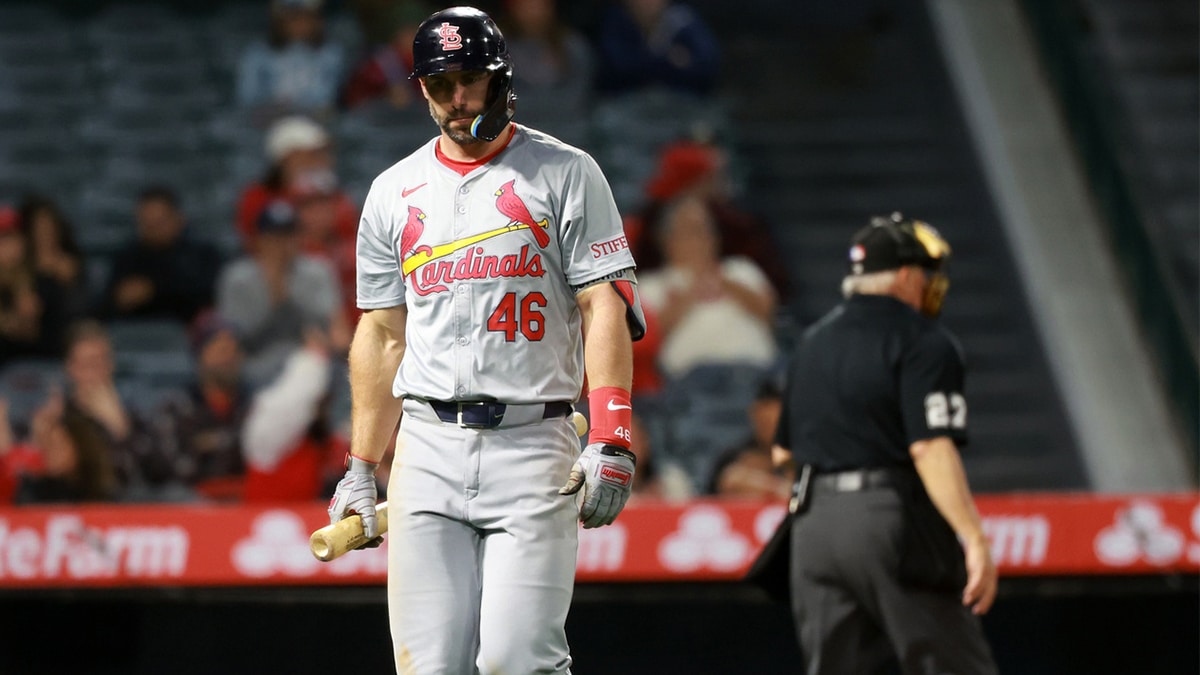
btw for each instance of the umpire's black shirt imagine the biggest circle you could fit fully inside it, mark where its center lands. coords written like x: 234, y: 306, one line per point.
x: 869, y: 379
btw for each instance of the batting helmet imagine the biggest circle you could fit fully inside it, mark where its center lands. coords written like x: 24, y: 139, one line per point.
x: 464, y: 38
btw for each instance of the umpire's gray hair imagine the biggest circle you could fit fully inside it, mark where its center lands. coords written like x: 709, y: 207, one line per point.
x: 874, y: 283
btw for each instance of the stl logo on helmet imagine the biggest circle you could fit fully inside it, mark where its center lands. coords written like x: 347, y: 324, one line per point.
x: 451, y: 40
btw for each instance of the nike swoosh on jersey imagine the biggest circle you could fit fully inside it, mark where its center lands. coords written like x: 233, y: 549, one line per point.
x: 408, y: 191
x: 612, y: 406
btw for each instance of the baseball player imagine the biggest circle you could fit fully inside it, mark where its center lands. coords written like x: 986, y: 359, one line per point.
x: 493, y: 273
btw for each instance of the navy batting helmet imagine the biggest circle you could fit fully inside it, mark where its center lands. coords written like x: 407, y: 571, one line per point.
x: 464, y: 38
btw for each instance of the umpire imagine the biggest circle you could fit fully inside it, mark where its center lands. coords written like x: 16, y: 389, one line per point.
x: 874, y: 414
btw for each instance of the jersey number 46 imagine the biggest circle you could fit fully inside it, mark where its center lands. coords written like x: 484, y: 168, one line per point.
x: 512, y: 316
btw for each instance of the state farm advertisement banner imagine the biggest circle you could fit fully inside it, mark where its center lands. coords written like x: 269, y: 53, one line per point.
x: 172, y: 545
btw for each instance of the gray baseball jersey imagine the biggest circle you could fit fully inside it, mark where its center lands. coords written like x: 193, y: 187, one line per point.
x: 486, y: 264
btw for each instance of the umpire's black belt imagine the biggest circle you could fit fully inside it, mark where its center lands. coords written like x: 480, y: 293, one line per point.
x: 857, y: 480
x: 492, y: 414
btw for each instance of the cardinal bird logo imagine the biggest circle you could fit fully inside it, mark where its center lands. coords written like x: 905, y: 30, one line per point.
x: 513, y: 207
x: 412, y: 233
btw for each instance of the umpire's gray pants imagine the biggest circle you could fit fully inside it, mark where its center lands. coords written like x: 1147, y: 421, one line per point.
x: 852, y: 615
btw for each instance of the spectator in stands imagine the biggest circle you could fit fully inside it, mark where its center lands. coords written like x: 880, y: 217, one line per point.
x: 143, y: 471
x: 690, y: 168
x: 290, y: 448
x: 162, y: 273
x: 298, y: 151
x: 276, y: 294
x: 34, y: 308
x: 295, y: 68
x: 554, y: 63
x: 645, y: 44
x: 72, y: 460
x: 384, y: 74
x: 710, y: 309
x: 53, y: 251
x: 316, y: 200
x: 746, y: 470
x: 201, y: 430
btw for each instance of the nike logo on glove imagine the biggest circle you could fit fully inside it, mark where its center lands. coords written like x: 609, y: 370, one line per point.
x: 612, y: 405
x: 408, y: 191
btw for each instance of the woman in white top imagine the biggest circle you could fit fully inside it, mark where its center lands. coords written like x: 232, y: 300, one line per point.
x: 711, y: 310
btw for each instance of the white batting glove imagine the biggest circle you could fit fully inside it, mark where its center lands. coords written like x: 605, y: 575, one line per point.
x: 356, y: 493
x: 605, y: 474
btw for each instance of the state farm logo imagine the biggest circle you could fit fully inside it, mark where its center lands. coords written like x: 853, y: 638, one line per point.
x: 278, y: 544
x: 615, y: 475
x: 66, y: 547
x: 705, y: 539
x: 1139, y: 532
x: 1018, y: 540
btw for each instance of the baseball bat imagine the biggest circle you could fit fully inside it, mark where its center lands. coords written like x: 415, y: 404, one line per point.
x: 332, y: 541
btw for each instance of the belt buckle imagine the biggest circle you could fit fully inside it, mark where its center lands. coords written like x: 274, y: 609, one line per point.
x: 850, y: 481
x: 462, y: 422
x: 489, y: 422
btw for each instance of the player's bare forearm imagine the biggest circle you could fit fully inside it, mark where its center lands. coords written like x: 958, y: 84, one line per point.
x: 375, y: 354
x: 607, y: 346
x: 941, y: 470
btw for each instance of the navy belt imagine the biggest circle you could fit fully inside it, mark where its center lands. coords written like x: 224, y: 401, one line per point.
x: 860, y: 479
x: 490, y: 414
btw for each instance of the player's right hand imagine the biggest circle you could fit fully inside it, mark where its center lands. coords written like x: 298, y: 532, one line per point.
x: 605, y: 473
x: 356, y: 493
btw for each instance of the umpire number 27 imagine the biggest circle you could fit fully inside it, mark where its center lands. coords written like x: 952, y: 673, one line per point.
x: 943, y: 411
x: 512, y: 316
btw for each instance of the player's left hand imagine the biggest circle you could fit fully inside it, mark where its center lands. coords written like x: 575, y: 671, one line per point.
x: 605, y: 474
x: 357, y: 493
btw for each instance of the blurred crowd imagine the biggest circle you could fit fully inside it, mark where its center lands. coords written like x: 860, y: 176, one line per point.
x: 96, y: 406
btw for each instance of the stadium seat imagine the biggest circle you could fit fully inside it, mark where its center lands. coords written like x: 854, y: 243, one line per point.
x: 706, y: 413
x: 155, y: 351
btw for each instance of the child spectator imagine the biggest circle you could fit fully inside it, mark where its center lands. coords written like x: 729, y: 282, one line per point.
x: 647, y: 44
x: 711, y: 309
x: 295, y: 68
x: 162, y: 273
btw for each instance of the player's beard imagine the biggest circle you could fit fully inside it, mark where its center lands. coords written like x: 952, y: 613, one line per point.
x: 457, y: 134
